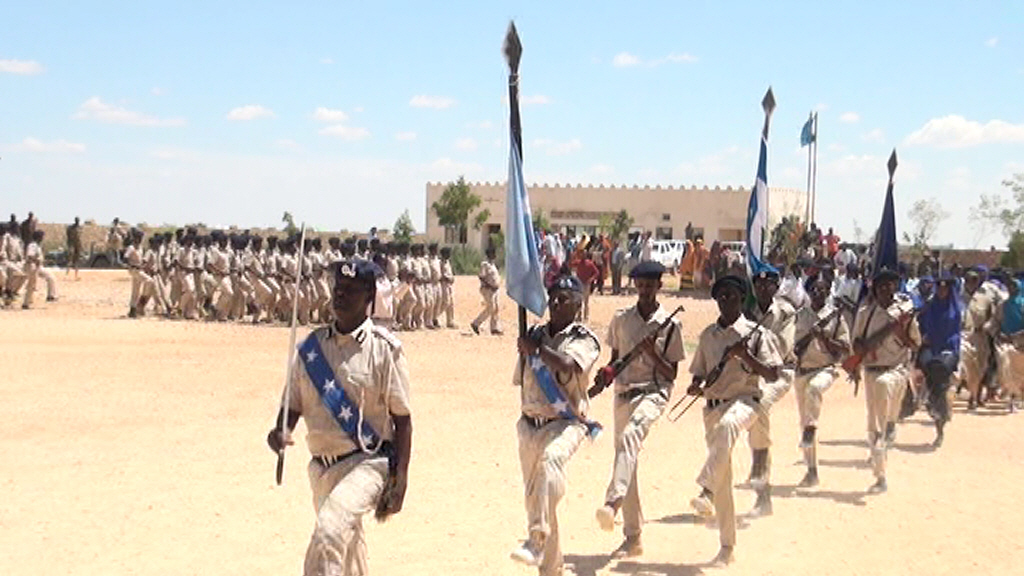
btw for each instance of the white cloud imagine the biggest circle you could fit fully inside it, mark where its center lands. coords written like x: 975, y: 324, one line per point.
x: 627, y: 60
x: 22, y: 67
x: 358, y: 109
x: 327, y: 61
x: 250, y: 112
x: 157, y: 91
x: 327, y: 115
x: 554, y: 148
x: 849, y: 117
x: 466, y: 144
x: 435, y: 102
x: 345, y: 132
x: 96, y: 109
x: 448, y: 169
x: 287, y: 144
x: 405, y: 136
x: 991, y: 42
x: 955, y: 131
x: 717, y: 166
x: 57, y: 146
x: 602, y: 169
x: 534, y: 99
x: 876, y: 135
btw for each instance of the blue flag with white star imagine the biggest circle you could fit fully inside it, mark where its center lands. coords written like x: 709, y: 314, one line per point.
x: 524, y: 279
x: 757, y: 214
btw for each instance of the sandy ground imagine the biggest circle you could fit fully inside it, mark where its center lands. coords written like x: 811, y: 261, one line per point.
x: 137, y: 447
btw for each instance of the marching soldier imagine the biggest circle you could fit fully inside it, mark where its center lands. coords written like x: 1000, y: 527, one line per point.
x: 447, y: 287
x: 776, y: 315
x: 733, y: 356
x: 33, y: 263
x: 553, y: 372
x: 642, y: 390
x: 884, y: 335
x: 822, y: 339
x: 976, y: 342
x: 350, y: 385
x: 490, y: 282
x: 74, y: 246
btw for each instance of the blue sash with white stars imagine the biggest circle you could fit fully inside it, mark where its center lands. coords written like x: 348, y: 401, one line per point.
x: 331, y: 392
x: 556, y: 398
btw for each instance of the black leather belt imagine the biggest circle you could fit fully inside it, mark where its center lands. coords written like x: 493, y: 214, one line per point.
x: 713, y: 403
x: 633, y: 393
x: 878, y: 369
x: 328, y: 461
x: 538, y: 422
x: 806, y: 371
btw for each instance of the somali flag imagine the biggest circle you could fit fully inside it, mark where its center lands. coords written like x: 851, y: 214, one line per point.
x: 807, y: 135
x: 524, y: 280
x: 757, y: 214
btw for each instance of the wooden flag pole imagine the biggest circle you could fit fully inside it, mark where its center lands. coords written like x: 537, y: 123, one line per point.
x: 513, y: 50
x: 286, y: 401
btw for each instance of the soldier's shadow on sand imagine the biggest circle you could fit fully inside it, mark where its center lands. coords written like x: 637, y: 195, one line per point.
x: 857, y: 463
x: 850, y: 498
x: 588, y: 565
x: 845, y: 442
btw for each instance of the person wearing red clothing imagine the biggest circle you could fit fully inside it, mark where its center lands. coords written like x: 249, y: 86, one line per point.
x: 831, y: 243
x: 588, y: 273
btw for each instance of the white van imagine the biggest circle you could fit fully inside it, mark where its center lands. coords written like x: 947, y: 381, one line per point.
x: 669, y: 253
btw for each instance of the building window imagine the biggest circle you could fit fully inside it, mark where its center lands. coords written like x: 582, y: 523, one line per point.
x: 666, y: 217
x: 663, y: 233
x: 730, y: 234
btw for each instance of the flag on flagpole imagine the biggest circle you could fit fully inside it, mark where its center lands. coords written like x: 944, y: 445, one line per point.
x: 524, y: 280
x: 808, y: 134
x: 757, y: 208
x: 886, y: 247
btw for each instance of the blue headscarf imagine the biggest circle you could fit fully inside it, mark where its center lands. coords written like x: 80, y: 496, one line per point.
x: 940, y: 320
x: 1013, y: 312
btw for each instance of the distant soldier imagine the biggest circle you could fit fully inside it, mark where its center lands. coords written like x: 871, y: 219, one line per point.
x: 448, y: 287
x: 490, y: 282
x: 115, y: 242
x: 74, y: 246
x: 33, y: 263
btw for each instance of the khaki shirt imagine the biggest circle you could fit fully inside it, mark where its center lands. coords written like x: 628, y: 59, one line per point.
x: 980, y: 308
x: 627, y: 328
x: 186, y: 259
x: 133, y: 258
x: 219, y: 261
x: 737, y: 379
x: 447, y: 275
x: 34, y: 255
x: 489, y: 277
x: 816, y: 355
x: 580, y: 344
x: 151, y: 261
x: 779, y: 321
x: 435, y: 270
x: 871, y: 317
x: 370, y: 366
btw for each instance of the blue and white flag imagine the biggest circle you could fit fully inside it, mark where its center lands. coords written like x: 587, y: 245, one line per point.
x: 524, y: 279
x: 757, y: 214
x: 808, y: 135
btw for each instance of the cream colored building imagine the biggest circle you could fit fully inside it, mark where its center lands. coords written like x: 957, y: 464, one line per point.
x: 714, y: 213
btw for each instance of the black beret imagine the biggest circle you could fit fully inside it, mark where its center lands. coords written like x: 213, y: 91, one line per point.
x: 647, y: 269
x: 766, y: 273
x: 737, y: 282
x: 884, y: 274
x: 566, y: 282
x: 363, y: 270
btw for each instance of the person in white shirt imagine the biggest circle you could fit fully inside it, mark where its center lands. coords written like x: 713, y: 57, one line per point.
x: 646, y: 247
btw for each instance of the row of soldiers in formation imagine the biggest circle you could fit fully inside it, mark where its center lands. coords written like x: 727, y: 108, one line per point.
x: 224, y: 276
x: 21, y: 266
x: 745, y: 362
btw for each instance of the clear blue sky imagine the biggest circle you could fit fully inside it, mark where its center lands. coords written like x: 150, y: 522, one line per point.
x: 232, y: 112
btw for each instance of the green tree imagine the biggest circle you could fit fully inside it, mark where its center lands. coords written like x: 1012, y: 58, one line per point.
x: 404, y: 230
x: 619, y: 226
x: 289, y: 224
x: 1014, y: 256
x: 996, y: 209
x: 457, y: 202
x: 540, y: 221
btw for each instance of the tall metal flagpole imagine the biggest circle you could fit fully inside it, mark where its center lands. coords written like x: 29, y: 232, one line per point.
x: 513, y: 50
x: 814, y: 172
x: 807, y: 208
x: 286, y: 401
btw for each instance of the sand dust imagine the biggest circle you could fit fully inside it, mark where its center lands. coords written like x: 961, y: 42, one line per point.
x: 137, y: 447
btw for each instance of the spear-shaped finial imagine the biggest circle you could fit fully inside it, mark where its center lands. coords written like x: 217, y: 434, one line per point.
x: 768, y: 104
x: 892, y: 164
x: 513, y: 48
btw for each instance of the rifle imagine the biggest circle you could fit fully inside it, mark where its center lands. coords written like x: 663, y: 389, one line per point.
x: 713, y: 375
x: 285, y: 402
x: 801, y: 345
x: 606, y: 375
x: 869, y: 344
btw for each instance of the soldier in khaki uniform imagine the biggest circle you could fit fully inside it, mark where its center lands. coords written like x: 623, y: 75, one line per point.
x: 975, y: 341
x: 74, y: 246
x: 776, y: 316
x: 888, y: 320
x: 828, y: 341
x: 1008, y: 325
x: 448, y: 287
x: 142, y: 284
x: 733, y: 392
x: 33, y: 264
x: 490, y: 282
x: 350, y: 473
x: 435, y: 286
x: 642, y: 390
x: 552, y: 425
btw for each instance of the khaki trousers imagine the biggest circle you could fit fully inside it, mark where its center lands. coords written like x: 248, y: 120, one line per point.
x: 723, y: 426
x: 633, y: 421
x: 341, y: 495
x: 490, y: 309
x: 187, y: 283
x: 448, y: 303
x: 142, y: 285
x: 974, y: 355
x: 1011, y: 369
x: 761, y: 431
x: 810, y: 390
x: 51, y: 282
x: 883, y: 391
x: 31, y: 273
x: 543, y: 455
